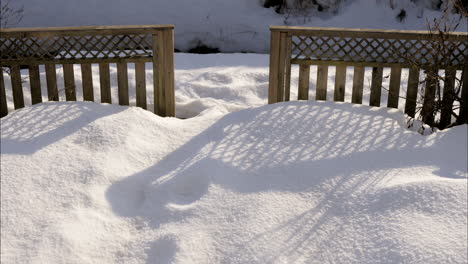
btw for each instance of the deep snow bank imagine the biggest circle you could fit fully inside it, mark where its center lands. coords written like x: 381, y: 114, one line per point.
x: 298, y: 182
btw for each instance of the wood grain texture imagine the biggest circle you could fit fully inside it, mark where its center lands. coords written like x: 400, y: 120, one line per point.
x: 51, y: 79
x: 412, y: 92
x: 3, y: 99
x: 35, y: 84
x: 140, y: 79
x: 358, y: 85
x: 322, y: 81
x: 104, y: 79
x: 274, y: 68
x: 394, y: 90
x: 69, y: 80
x: 304, y: 79
x: 87, y: 81
x: 122, y: 83
x: 17, y: 87
x: 340, y: 81
x: 448, y: 99
x: 376, y: 86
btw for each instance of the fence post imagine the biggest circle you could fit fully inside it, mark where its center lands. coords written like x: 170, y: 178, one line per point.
x: 163, y: 70
x: 274, y: 67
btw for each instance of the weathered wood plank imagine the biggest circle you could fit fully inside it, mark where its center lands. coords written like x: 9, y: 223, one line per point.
x: 287, y: 81
x: 340, y: 81
x: 394, y: 89
x: 448, y: 99
x: 158, y: 72
x: 35, y: 84
x: 104, y: 79
x: 358, y: 85
x: 122, y: 83
x: 37, y: 61
x: 364, y: 64
x: 169, y: 82
x: 17, y: 87
x: 87, y: 81
x: 51, y: 78
x: 376, y: 86
x: 304, y: 79
x: 412, y: 92
x: 3, y: 99
x: 274, y: 68
x: 281, y: 65
x: 463, y: 115
x: 322, y: 80
x: 140, y: 79
x: 431, y: 83
x: 69, y: 80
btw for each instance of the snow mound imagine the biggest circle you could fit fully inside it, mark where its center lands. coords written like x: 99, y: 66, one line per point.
x: 297, y: 182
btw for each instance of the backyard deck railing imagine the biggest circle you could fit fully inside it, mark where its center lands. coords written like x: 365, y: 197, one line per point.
x: 31, y: 47
x: 323, y: 47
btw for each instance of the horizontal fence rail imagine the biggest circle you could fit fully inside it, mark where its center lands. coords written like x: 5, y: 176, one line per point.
x: 360, y: 48
x: 30, y: 47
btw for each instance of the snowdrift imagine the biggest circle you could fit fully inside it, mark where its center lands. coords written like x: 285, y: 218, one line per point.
x: 297, y: 182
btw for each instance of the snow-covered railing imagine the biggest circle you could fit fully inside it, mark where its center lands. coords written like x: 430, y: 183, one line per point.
x: 31, y: 47
x: 360, y: 48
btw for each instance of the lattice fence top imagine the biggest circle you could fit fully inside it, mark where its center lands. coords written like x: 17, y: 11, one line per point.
x: 71, y: 44
x: 386, y: 47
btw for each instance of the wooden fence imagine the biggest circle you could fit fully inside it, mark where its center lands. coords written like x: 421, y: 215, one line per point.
x: 415, y: 50
x: 31, y: 47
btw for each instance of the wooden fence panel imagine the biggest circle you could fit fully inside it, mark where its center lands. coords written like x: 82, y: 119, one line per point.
x: 448, y: 98
x: 304, y: 79
x: 17, y: 87
x: 322, y: 81
x: 69, y: 80
x: 35, y: 83
x: 87, y: 81
x: 51, y: 78
x: 394, y: 89
x: 140, y: 79
x: 104, y: 79
x: 122, y: 83
x: 3, y: 99
x: 85, y: 45
x: 340, y: 81
x: 358, y: 85
x: 376, y: 86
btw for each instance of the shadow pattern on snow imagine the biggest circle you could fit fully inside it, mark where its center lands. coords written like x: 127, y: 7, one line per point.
x: 336, y: 150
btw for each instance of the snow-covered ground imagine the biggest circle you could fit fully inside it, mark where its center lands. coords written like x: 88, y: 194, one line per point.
x: 238, y: 182
x: 230, y: 25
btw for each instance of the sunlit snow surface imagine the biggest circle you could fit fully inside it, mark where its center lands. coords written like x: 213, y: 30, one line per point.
x: 239, y: 182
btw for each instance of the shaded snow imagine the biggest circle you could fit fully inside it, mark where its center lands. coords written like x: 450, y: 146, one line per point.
x: 298, y: 182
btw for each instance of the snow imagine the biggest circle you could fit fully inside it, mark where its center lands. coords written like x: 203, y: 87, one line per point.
x: 231, y: 26
x: 293, y: 182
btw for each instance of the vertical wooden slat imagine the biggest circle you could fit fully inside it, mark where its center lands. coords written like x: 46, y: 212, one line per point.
x: 304, y: 78
x: 463, y: 115
x: 287, y: 81
x: 358, y: 84
x: 169, y: 83
x: 376, y: 86
x: 51, y: 77
x: 431, y: 83
x: 274, y: 67
x: 87, y: 81
x: 412, y: 91
x: 282, y: 65
x: 122, y: 83
x: 18, y: 99
x: 3, y: 99
x: 35, y: 83
x: 394, y: 89
x: 69, y: 79
x: 104, y: 79
x: 158, y: 73
x: 448, y: 98
x: 140, y: 79
x: 340, y: 81
x: 322, y: 80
